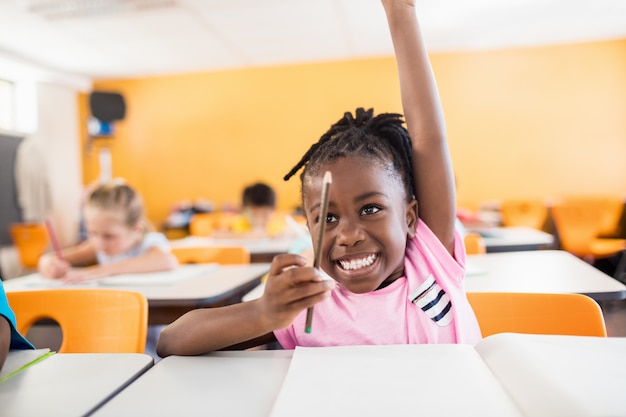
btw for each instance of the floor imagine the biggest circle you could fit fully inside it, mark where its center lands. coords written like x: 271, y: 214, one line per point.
x: 614, y: 311
x: 615, y: 317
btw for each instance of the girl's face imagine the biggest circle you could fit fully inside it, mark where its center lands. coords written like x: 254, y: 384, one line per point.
x: 367, y: 225
x: 259, y: 216
x: 108, y: 232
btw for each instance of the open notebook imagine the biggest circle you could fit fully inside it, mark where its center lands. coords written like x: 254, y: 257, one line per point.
x: 503, y: 375
x: 182, y: 273
x: 18, y: 360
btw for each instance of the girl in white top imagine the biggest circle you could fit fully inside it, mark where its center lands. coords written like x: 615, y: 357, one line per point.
x: 118, y: 240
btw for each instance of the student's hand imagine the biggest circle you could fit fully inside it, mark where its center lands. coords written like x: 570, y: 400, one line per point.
x: 50, y: 266
x: 290, y: 288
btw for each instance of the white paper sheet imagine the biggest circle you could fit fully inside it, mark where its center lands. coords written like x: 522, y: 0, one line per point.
x: 182, y: 273
x: 573, y: 376
x: 440, y: 380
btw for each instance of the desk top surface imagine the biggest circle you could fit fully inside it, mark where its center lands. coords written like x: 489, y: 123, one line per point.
x: 513, y: 238
x: 233, y: 383
x: 251, y: 383
x: 209, y: 283
x: 544, y: 271
x: 56, y: 386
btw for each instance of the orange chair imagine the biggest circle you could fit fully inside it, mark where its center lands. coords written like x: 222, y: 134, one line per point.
x: 581, y: 222
x: 204, y: 224
x: 529, y: 213
x: 31, y: 241
x: 91, y: 320
x: 474, y: 244
x: 564, y: 314
x: 612, y: 208
x: 210, y: 254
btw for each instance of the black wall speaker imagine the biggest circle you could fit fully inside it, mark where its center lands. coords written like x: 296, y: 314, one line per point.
x: 107, y: 107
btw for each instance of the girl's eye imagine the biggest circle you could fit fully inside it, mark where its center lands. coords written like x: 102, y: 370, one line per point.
x: 370, y: 210
x: 330, y: 218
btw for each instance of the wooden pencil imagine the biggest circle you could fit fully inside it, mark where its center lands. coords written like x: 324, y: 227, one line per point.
x: 328, y: 179
x: 53, y: 239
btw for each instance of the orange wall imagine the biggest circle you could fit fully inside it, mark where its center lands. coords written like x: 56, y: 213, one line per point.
x: 530, y: 122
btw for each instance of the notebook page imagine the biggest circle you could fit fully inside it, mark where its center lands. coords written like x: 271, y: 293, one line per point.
x: 182, y: 273
x: 574, y: 376
x: 441, y: 380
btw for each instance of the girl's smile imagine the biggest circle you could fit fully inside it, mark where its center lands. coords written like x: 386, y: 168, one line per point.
x: 357, y: 263
x: 368, y: 222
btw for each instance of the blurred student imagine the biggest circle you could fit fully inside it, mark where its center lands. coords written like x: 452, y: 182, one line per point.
x: 119, y: 240
x: 10, y: 338
x: 258, y: 217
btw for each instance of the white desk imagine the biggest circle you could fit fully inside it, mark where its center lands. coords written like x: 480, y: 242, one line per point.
x: 69, y: 385
x: 243, y: 383
x: 361, y: 383
x: 544, y: 271
x: 224, y: 284
x: 509, y: 239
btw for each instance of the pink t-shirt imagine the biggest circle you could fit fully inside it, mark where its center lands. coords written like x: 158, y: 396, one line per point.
x: 427, y: 305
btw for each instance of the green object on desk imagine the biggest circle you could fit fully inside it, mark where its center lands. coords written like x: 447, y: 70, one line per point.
x: 18, y: 360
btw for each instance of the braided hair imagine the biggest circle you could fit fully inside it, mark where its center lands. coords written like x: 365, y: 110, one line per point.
x: 382, y: 137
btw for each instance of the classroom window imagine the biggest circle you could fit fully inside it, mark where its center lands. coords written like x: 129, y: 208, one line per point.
x: 7, y: 105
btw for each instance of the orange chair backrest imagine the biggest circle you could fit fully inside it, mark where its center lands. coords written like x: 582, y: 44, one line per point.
x: 579, y: 221
x: 212, y: 254
x: 563, y: 314
x: 91, y: 320
x: 474, y: 244
x: 529, y: 213
x: 31, y: 241
x: 610, y: 214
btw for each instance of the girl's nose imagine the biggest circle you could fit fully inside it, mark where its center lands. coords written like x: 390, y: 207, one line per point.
x: 349, y: 232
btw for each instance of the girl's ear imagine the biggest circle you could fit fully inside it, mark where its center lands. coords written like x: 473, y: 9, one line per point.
x: 411, y: 217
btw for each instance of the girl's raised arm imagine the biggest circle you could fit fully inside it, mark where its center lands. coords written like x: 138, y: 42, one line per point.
x: 432, y: 167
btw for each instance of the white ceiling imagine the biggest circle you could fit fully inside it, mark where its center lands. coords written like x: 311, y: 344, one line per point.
x: 201, y: 35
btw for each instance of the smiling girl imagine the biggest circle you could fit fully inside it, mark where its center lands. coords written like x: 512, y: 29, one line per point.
x: 396, y: 261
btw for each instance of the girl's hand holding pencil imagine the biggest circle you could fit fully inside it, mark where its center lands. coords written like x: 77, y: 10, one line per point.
x: 51, y: 266
x: 291, y: 287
